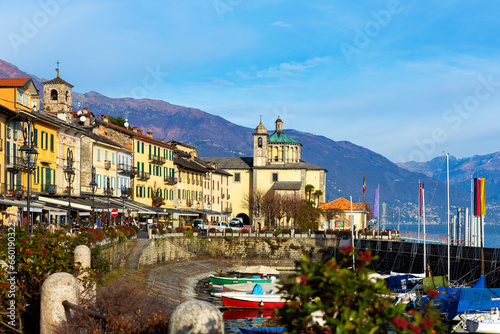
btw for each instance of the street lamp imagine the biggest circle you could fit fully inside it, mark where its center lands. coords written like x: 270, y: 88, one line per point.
x: 93, y: 188
x: 108, y: 193
x: 125, y: 192
x: 28, y: 156
x: 69, y: 174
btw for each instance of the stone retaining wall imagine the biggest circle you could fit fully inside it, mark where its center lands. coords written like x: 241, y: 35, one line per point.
x: 162, y: 250
x: 116, y: 252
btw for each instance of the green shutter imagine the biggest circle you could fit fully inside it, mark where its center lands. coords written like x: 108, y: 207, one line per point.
x: 138, y: 147
x: 142, y: 145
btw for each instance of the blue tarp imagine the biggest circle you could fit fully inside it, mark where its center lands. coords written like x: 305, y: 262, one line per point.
x: 257, y: 290
x: 259, y: 330
x: 402, y: 283
x: 456, y: 301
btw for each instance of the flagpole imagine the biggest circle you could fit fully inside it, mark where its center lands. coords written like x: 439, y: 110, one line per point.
x: 419, y: 211
x: 352, y: 232
x: 423, y: 217
x: 448, y: 210
x: 378, y: 211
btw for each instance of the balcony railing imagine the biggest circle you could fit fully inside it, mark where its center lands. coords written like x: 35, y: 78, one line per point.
x: 143, y: 176
x: 229, y: 209
x: 1, y: 144
x: 127, y: 169
x: 14, y: 162
x: 170, y: 180
x: 48, y: 188
x: 156, y: 159
x: 2, y: 189
x: 107, y: 164
x: 125, y: 191
x: 16, y: 190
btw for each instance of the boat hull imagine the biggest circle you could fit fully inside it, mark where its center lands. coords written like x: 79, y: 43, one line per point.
x: 254, y: 301
x: 474, y: 326
x: 261, y: 330
x: 237, y: 280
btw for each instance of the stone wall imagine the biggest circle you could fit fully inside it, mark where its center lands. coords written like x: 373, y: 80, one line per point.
x: 116, y: 252
x: 162, y: 250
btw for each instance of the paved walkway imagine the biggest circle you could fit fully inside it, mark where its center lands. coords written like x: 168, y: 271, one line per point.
x: 174, y: 283
x: 134, y: 256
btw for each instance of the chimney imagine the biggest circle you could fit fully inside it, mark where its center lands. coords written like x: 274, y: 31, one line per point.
x: 134, y: 129
x: 149, y: 134
x: 105, y: 119
x: 85, y: 111
x: 139, y: 132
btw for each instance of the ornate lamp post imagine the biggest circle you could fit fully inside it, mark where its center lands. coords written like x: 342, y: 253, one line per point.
x: 93, y: 188
x: 69, y: 174
x: 108, y: 193
x: 125, y: 192
x: 28, y: 156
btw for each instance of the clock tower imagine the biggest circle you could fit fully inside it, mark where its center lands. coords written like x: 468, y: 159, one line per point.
x: 260, y: 146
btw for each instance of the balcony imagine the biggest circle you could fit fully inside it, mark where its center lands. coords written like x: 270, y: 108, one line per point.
x: 143, y: 176
x: 170, y: 180
x: 48, y: 188
x: 228, y: 197
x: 125, y: 191
x: 127, y: 169
x: 107, y: 164
x: 15, y: 163
x: 1, y: 144
x: 2, y: 189
x: 188, y: 181
x: 17, y: 191
x: 228, y: 209
x: 156, y: 159
x: 223, y: 195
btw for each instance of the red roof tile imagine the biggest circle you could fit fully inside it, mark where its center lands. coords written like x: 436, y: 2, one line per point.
x: 342, y: 204
x: 8, y: 82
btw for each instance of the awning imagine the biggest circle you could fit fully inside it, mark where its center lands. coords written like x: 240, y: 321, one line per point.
x: 33, y: 209
x: 22, y: 204
x: 64, y: 203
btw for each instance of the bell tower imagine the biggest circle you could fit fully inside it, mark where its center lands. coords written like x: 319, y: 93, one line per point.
x: 260, y: 145
x: 57, y: 96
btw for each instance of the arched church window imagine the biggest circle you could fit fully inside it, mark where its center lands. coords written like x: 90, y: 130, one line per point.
x: 53, y: 94
x: 67, y: 95
x: 259, y: 142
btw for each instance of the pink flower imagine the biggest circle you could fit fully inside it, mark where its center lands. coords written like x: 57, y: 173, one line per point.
x: 346, y: 249
x: 427, y: 322
x: 414, y: 329
x: 400, y: 322
x: 432, y: 293
x: 365, y: 256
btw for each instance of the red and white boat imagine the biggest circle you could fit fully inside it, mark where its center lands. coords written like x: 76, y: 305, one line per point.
x: 254, y: 301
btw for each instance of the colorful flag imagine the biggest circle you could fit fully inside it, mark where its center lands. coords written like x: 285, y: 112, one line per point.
x: 364, y: 184
x: 479, y: 198
x: 420, y: 198
x: 375, y: 205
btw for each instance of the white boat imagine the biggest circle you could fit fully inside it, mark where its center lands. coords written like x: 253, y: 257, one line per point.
x: 482, y: 323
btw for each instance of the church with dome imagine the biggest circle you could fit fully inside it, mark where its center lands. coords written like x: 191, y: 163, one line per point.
x: 276, y: 166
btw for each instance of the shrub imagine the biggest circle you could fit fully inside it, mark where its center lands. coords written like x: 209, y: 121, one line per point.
x: 179, y: 229
x: 94, y: 235
x: 245, y: 231
x: 349, y: 300
x: 213, y: 230
x: 195, y: 229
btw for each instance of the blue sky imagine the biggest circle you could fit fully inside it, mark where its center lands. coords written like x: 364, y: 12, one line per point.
x: 408, y: 79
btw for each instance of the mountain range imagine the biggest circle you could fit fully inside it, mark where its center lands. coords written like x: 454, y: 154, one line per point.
x: 346, y: 162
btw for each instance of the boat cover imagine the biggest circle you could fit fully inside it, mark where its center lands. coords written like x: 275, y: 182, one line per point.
x: 255, y: 330
x: 480, y: 282
x: 263, y: 270
x: 434, y: 282
x: 456, y: 301
x: 402, y: 283
x: 257, y: 290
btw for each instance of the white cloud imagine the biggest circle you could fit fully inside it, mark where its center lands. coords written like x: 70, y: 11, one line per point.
x: 281, y: 24
x: 286, y: 69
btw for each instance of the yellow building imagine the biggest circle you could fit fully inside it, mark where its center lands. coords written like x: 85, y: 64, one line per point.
x: 275, y: 166
x: 344, y: 222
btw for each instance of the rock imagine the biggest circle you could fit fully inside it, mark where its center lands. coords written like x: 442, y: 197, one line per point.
x: 196, y: 317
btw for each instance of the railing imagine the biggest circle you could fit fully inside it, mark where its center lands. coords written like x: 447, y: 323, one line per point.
x: 107, y: 164
x: 143, y: 176
x: 156, y: 159
x: 14, y: 162
x: 170, y: 180
x: 16, y: 190
x: 1, y: 144
x: 223, y: 195
x: 127, y: 169
x: 48, y: 188
x: 228, y: 196
x: 188, y: 181
x: 125, y: 191
x: 229, y: 209
x: 2, y: 189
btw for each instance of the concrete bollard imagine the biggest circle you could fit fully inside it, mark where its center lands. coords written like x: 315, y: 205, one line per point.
x: 57, y: 288
x: 196, y: 316
x: 83, y: 255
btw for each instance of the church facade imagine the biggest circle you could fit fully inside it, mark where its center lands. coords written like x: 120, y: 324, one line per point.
x: 276, y: 166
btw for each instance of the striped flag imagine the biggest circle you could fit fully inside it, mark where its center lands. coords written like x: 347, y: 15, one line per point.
x: 479, y: 198
x: 364, y: 184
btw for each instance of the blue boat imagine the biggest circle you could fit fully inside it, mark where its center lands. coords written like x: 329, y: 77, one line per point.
x: 261, y: 330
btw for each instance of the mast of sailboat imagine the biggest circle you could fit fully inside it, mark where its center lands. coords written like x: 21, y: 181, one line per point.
x: 423, y: 220
x: 352, y: 233
x: 448, y: 209
x: 419, y: 211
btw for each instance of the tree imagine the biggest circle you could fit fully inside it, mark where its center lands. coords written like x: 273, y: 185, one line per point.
x: 291, y: 204
x: 349, y: 300
x: 270, y: 207
x: 334, y: 214
x: 318, y: 193
x: 307, y: 217
x: 254, y: 203
x: 120, y: 121
x: 309, y: 189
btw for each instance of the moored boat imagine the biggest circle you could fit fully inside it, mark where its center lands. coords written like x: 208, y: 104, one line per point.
x: 247, y: 313
x: 218, y: 280
x: 261, y: 330
x: 484, y: 323
x: 245, y: 300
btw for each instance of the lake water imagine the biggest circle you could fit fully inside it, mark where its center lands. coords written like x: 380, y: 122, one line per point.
x: 491, y: 232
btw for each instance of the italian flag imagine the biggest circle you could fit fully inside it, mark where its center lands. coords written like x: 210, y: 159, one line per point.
x: 364, y: 184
